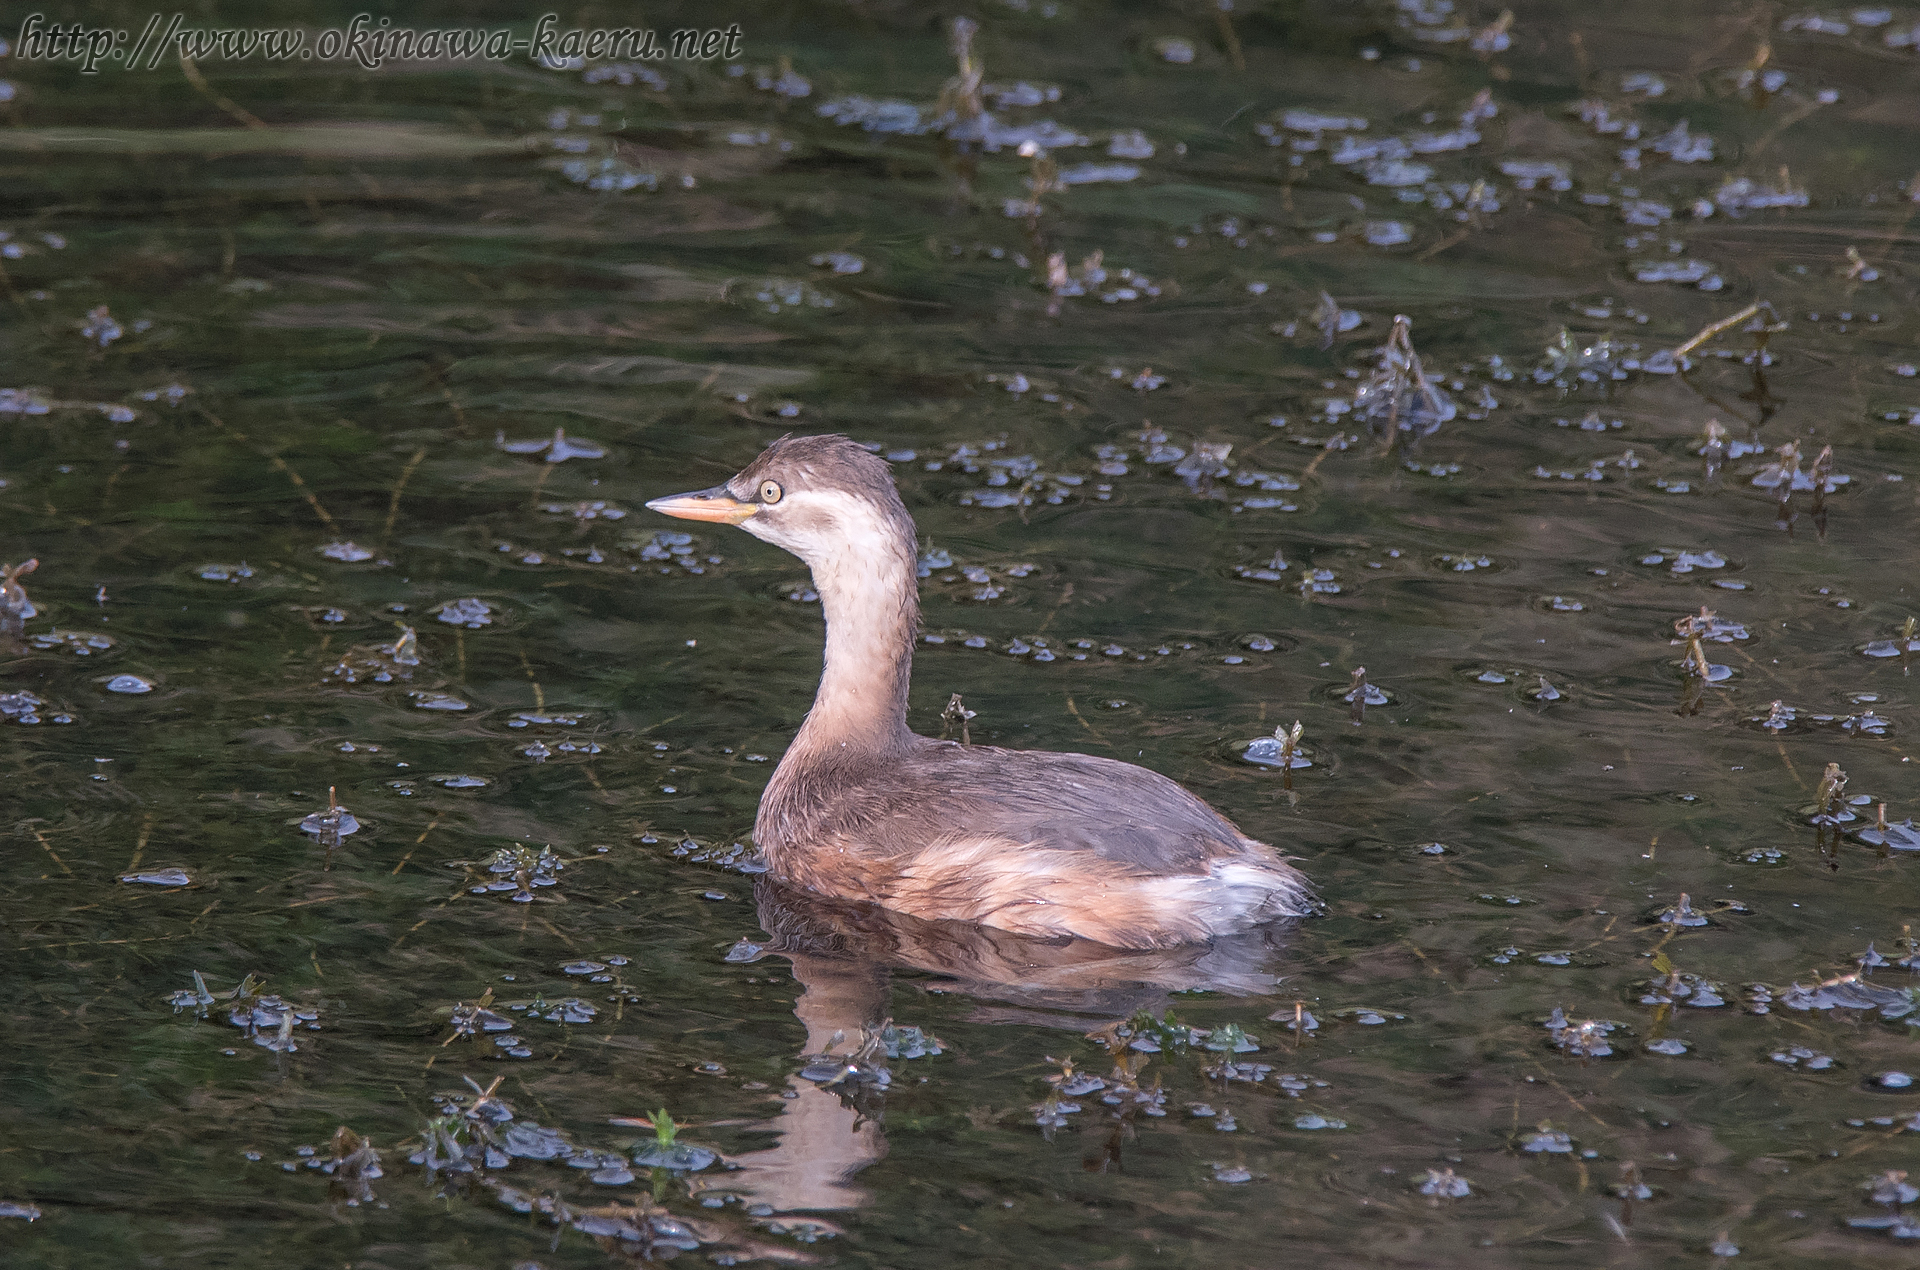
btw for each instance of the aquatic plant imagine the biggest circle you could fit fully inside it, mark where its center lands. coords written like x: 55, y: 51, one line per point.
x: 1828, y: 813
x: 353, y: 1165
x: 15, y: 607
x: 957, y: 713
x: 666, y: 1151
x: 473, y: 1018
x: 1281, y: 750
x: 518, y: 869
x: 1443, y: 1184
x: 331, y: 826
x: 1398, y: 398
x: 266, y: 1020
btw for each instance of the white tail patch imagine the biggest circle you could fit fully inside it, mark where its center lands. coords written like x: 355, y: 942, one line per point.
x: 1032, y: 890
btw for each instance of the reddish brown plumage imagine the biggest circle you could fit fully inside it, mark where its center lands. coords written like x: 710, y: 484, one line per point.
x: 1034, y: 842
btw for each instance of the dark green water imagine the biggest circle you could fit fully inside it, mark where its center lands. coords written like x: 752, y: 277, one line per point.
x: 357, y: 295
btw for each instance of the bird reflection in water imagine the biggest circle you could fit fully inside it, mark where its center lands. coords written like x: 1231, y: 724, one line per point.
x: 843, y: 956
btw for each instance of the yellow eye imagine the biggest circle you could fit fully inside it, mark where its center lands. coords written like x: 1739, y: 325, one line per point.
x: 770, y: 491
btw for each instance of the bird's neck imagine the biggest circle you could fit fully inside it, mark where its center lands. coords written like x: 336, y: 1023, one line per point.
x: 870, y: 597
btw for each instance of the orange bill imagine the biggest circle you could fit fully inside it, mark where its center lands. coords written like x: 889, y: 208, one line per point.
x: 714, y: 504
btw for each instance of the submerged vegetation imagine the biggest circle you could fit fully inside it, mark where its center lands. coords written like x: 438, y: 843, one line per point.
x: 1382, y: 382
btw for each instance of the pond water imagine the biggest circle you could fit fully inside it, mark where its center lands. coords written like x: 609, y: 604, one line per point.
x: 380, y: 774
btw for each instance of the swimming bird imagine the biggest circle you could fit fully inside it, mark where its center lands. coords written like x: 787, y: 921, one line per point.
x: 862, y: 808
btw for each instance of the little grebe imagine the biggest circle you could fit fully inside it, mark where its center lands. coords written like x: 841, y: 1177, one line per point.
x: 1032, y: 842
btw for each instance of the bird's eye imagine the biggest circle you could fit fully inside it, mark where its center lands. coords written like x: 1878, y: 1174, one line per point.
x: 770, y: 491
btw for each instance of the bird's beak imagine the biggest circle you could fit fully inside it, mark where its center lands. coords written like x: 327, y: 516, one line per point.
x: 714, y: 504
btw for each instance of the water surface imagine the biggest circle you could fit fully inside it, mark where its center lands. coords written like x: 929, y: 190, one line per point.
x: 275, y: 394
